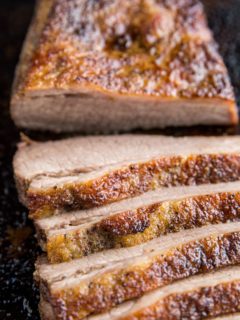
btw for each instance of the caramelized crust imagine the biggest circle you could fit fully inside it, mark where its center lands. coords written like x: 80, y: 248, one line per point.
x: 104, y: 290
x: 139, y: 47
x: 133, y: 227
x: 113, y: 66
x: 198, y: 304
x: 133, y: 180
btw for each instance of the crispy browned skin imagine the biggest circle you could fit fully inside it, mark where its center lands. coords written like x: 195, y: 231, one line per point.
x: 137, y: 226
x: 198, y: 304
x: 137, y: 47
x: 116, y: 286
x: 135, y: 179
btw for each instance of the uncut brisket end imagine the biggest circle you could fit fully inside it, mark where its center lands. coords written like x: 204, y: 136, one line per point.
x: 82, y: 69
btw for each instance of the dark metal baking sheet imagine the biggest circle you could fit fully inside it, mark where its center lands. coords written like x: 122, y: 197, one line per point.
x: 18, y: 295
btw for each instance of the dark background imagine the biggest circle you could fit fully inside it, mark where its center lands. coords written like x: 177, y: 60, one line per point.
x: 18, y: 295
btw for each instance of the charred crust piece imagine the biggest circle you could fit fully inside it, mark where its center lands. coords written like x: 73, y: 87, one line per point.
x: 133, y: 180
x: 130, y: 228
x: 105, y: 290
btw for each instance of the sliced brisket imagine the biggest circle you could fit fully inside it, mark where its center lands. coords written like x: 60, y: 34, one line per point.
x: 133, y: 221
x: 99, y: 282
x: 88, y: 172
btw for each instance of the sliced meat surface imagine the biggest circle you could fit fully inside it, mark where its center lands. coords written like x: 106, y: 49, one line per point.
x: 93, y: 171
x: 130, y: 222
x: 99, y: 282
x: 196, y: 298
x: 82, y: 68
x: 228, y: 317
